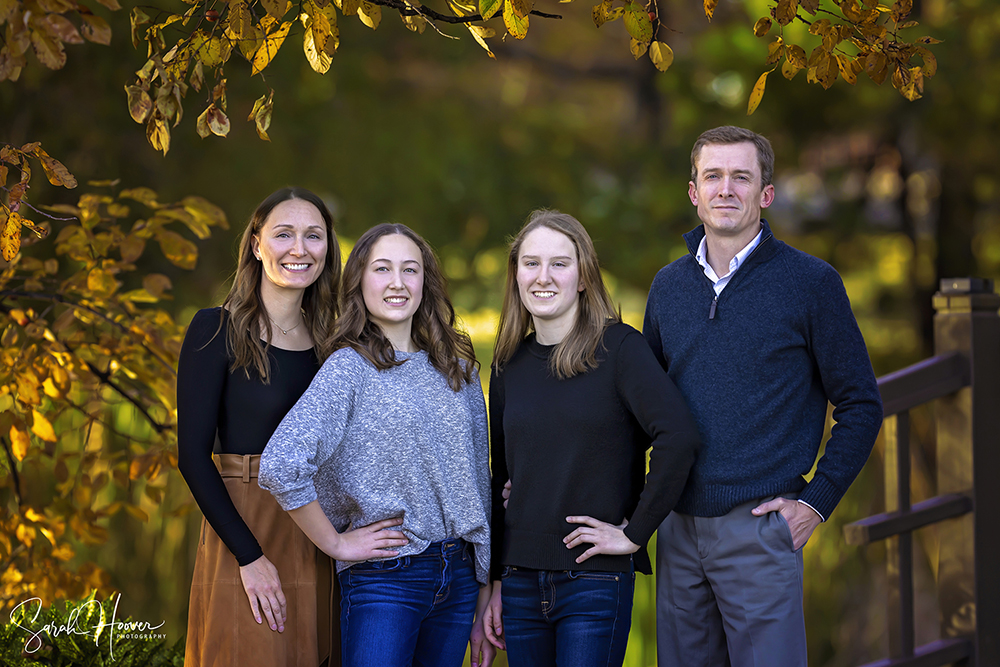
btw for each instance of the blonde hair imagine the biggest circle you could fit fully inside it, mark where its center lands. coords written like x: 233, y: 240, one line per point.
x: 577, y: 352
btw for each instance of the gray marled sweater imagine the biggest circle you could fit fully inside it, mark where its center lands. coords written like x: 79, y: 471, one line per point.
x: 373, y: 445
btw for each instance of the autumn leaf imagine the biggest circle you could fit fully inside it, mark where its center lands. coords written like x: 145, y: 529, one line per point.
x: 637, y: 22
x: 261, y: 114
x: 20, y: 442
x: 276, y: 8
x: 517, y: 26
x: 218, y: 121
x: 55, y: 171
x: 317, y: 58
x: 60, y: 27
x: 370, y: 14
x: 480, y: 34
x: 785, y: 11
x: 522, y: 7
x: 41, y: 427
x: 846, y: 71
x: 49, y: 50
x: 101, y: 283
x: 710, y: 6
x: 761, y: 27
x: 662, y: 55
x: 158, y: 134
x: 262, y: 58
x: 10, y: 238
x: 96, y: 29
x: 900, y: 10
x: 177, y: 249
x: 488, y: 8
x: 139, y: 103
x: 757, y: 94
x: 156, y: 284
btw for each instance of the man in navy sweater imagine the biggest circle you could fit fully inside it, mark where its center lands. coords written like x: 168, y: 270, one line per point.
x: 759, y: 337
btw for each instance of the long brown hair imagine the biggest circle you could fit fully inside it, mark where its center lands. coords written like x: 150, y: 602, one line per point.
x: 246, y: 309
x: 433, y: 324
x: 577, y: 352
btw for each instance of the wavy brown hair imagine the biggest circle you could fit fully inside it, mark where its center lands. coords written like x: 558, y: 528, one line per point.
x: 577, y: 352
x: 247, y: 315
x: 433, y: 324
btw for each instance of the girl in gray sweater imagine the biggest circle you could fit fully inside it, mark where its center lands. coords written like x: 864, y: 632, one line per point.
x: 392, y: 432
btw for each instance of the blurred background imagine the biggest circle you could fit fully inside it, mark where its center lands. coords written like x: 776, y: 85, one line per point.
x: 432, y: 133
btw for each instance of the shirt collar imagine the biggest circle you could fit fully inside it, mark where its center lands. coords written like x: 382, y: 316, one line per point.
x: 735, y: 262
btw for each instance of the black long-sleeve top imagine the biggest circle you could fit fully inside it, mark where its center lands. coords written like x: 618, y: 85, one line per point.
x: 242, y: 410
x: 578, y: 446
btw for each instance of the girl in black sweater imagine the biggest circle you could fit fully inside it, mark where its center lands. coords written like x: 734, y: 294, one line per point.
x: 574, y: 406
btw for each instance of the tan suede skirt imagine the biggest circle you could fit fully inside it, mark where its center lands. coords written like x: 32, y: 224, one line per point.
x: 221, y: 629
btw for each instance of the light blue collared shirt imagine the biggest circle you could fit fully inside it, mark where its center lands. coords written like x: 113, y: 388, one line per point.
x: 719, y: 283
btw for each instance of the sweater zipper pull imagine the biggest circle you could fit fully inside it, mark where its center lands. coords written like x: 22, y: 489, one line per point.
x: 711, y: 311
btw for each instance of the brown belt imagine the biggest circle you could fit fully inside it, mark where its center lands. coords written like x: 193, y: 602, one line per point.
x: 238, y: 465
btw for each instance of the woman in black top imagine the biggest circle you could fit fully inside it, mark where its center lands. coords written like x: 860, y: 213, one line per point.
x: 574, y: 406
x: 242, y: 366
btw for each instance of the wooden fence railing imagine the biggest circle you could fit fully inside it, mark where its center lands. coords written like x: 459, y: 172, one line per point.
x: 963, y: 378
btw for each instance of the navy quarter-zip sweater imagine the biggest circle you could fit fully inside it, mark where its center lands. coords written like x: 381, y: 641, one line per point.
x: 757, y: 367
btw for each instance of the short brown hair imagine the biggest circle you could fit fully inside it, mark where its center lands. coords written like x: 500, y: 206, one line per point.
x: 577, y: 353
x: 730, y: 134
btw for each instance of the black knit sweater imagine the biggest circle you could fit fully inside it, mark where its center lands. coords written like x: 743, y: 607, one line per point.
x: 578, y: 447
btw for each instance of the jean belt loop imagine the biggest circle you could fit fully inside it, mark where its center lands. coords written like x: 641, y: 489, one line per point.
x: 246, y: 468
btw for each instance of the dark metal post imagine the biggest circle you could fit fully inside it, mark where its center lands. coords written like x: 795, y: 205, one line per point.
x: 968, y: 442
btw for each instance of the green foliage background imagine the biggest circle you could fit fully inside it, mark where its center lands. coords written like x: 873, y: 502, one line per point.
x: 429, y: 132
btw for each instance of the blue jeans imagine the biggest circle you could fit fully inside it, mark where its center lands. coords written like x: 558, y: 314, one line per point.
x: 414, y: 610
x: 573, y: 618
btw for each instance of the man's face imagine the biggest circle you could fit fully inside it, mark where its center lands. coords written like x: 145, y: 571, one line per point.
x: 728, y: 192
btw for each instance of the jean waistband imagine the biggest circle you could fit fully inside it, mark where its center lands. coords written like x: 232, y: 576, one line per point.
x: 444, y: 547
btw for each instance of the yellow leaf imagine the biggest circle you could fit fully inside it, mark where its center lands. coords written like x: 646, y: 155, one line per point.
x: 796, y: 55
x: 710, y: 6
x: 51, y: 390
x: 158, y: 134
x: 414, y: 23
x: 785, y: 11
x: 63, y: 552
x: 846, y: 70
x: 251, y: 42
x: 662, y: 55
x: 522, y: 7
x: 276, y: 8
x: 478, y: 34
x: 137, y: 512
x: 213, y: 52
x: 761, y: 27
x: 202, y: 125
x: 269, y: 48
x: 49, y: 50
x: 139, y: 103
x: 789, y: 69
x: 370, y: 14
x: 156, y: 284
x: 318, y: 60
x: 757, y: 94
x: 637, y: 48
x: 101, y: 283
x: 95, y: 29
x: 19, y: 443
x: 218, y: 121
x: 25, y: 534
x: 517, y: 26
x: 349, y: 7
x: 774, y: 51
x: 41, y: 427
x: 900, y: 10
x: 132, y: 248
x: 488, y: 8
x: 6, y: 402
x: 55, y: 171
x: 240, y: 20
x: 930, y: 62
x: 177, y: 249
x: 10, y: 238
x: 637, y: 22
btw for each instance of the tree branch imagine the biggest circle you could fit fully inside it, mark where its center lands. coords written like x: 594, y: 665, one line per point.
x: 63, y: 300
x: 13, y: 471
x: 406, y: 10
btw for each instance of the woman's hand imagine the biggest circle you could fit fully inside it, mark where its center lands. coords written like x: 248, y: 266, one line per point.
x: 492, y: 623
x: 606, y: 538
x: 362, y: 543
x: 263, y: 589
x: 369, y: 541
x: 482, y: 652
